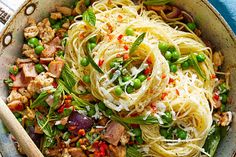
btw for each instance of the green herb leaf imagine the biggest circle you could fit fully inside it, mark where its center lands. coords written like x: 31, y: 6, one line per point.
x: 132, y: 151
x: 89, y: 17
x: 40, y: 99
x: 80, y: 102
x: 44, y: 125
x: 156, y: 2
x: 90, y: 58
x: 137, y: 42
x: 68, y: 77
x: 194, y: 62
x: 48, y: 142
x: 212, y: 140
x: 181, y: 60
x: 142, y: 120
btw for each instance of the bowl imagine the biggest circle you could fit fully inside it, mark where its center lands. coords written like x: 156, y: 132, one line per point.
x: 213, y: 27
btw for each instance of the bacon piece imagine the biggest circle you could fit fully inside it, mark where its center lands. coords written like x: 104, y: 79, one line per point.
x: 113, y: 133
x: 45, y: 60
x: 55, y: 67
x: 16, y: 105
x: 29, y: 70
x: 21, y: 80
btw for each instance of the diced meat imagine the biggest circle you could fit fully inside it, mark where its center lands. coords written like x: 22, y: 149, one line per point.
x: 45, y: 60
x: 55, y: 42
x: 53, y: 152
x: 48, y: 52
x: 56, y: 16
x: 113, y: 133
x: 29, y: 52
x: 31, y: 31
x: 64, y: 10
x: 29, y: 70
x: 16, y: 105
x: 21, y: 61
x: 76, y: 152
x: 55, y: 67
x: 21, y: 80
x: 14, y: 95
x: 46, y: 33
x: 24, y: 92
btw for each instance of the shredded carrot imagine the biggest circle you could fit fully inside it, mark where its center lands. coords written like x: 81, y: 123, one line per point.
x: 100, y: 62
x: 163, y: 95
x: 177, y: 91
x: 126, y: 56
x: 163, y: 76
x: 126, y: 47
x: 171, y: 80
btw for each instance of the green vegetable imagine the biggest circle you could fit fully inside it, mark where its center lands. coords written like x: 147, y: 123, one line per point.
x: 142, y: 120
x: 87, y: 3
x: 108, y: 112
x: 77, y: 144
x: 201, y: 57
x: 222, y: 108
x: 17, y: 115
x: 136, y: 43
x: 168, y: 55
x: 19, y: 120
x: 137, y: 83
x: 29, y: 123
x: 223, y: 98
x: 40, y: 99
x: 91, y: 111
x: 89, y: 17
x: 173, y: 68
x: 175, y: 56
x: 181, y: 134
x: 84, y: 61
x: 113, y: 64
x: 39, y: 68
x: 60, y: 127
x: 185, y: 65
x: 91, y: 46
x: 33, y: 42
x: 66, y: 136
x: 57, y: 25
x: 48, y: 142
x: 93, y: 40
x: 195, y: 65
x: 43, y: 124
x: 130, y: 89
x: 67, y: 111
x: 86, y: 78
x: 60, y: 53
x: 129, y: 31
x: 156, y: 2
x: 13, y: 69
x: 222, y: 87
x: 213, y: 140
x: 137, y: 131
x: 139, y: 139
x: 167, y: 118
x: 80, y: 102
x: 69, y: 77
x: 191, y: 26
x: 166, y: 132
x: 132, y: 151
x: 101, y: 106
x: 38, y: 50
x: 163, y: 46
x: 118, y: 91
x: 142, y: 77
x: 126, y: 78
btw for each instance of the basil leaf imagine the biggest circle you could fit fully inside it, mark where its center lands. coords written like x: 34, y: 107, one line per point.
x: 156, y: 2
x: 132, y: 151
x: 90, y: 58
x: 40, y: 99
x: 137, y: 42
x: 194, y: 62
x: 68, y: 77
x: 44, y: 125
x: 89, y: 17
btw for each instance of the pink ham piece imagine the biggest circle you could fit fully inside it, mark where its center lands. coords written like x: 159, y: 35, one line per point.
x: 45, y: 60
x: 50, y: 48
x: 55, y: 67
x: 21, y: 80
x: 29, y: 70
x: 16, y: 105
x: 113, y: 133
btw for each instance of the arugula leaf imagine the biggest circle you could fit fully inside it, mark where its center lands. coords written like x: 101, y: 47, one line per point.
x: 44, y: 125
x: 89, y: 17
x: 156, y: 2
x: 40, y: 99
x: 69, y: 77
x: 137, y: 42
x: 132, y: 151
x: 90, y: 58
x: 142, y: 120
x: 213, y: 140
x: 194, y: 62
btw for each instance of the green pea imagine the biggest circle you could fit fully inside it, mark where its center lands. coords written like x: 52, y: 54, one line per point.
x: 108, y: 112
x: 168, y: 55
x: 163, y: 46
x: 91, y: 46
x: 87, y: 3
x: 13, y: 69
x: 91, y: 112
x: 33, y: 42
x: 101, y: 106
x: 223, y: 98
x: 175, y: 56
x: 38, y: 50
x: 172, y: 49
x: 86, y: 78
x: 129, y: 31
x: 201, y: 57
x: 66, y: 136
x: 173, y: 68
x: 60, y: 53
x: 130, y: 89
x: 137, y: 131
x: 126, y: 78
x: 185, y: 65
x: 137, y: 83
x: 84, y: 61
x: 167, y: 117
x: 118, y: 91
x: 39, y: 68
x: 19, y: 120
x: 77, y: 144
x: 93, y: 39
x: 142, y: 77
x: 181, y: 134
x: 60, y: 127
x: 139, y: 139
x: 191, y: 26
